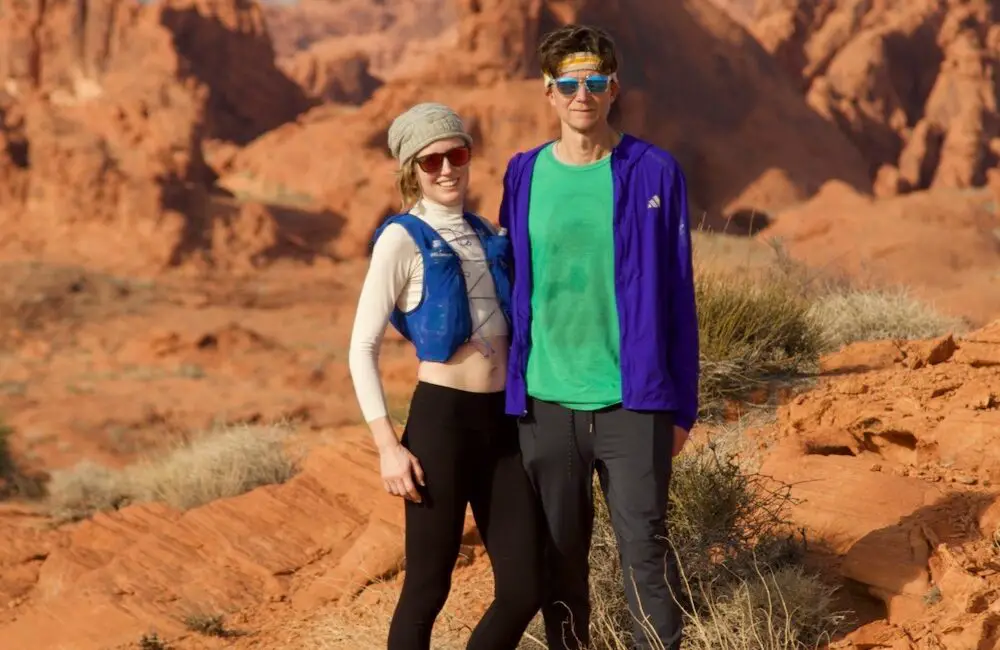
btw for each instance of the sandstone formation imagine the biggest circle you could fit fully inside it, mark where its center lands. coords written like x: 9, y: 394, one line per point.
x: 391, y: 34
x: 742, y: 11
x: 106, y: 164
x: 106, y: 154
x: 225, y: 45
x: 136, y: 565
x: 933, y: 412
x: 911, y: 82
x: 67, y: 51
x: 332, y: 73
x: 910, y: 432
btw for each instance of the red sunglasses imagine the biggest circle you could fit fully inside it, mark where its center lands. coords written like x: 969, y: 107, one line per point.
x: 433, y: 162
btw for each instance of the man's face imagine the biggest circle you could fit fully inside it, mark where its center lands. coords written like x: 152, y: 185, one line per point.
x: 578, y: 107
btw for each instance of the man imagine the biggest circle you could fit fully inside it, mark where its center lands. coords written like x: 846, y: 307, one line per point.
x: 603, y: 369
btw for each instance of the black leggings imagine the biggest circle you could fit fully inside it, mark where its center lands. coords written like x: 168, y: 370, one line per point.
x: 470, y: 454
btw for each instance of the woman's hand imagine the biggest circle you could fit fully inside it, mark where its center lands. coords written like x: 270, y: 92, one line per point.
x: 399, y: 469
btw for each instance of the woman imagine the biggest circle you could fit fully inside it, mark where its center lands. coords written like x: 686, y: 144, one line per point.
x: 439, y: 274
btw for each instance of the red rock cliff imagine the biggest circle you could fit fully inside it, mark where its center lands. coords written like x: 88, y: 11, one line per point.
x: 911, y: 82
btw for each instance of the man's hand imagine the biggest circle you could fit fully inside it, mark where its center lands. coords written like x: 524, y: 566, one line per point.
x: 680, y: 438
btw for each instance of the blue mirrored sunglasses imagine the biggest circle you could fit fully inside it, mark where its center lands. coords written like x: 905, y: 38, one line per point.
x: 595, y: 84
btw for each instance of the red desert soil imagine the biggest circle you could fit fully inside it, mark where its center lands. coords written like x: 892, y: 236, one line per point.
x: 187, y: 188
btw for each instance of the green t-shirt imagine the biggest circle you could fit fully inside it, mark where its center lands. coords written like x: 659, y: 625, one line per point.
x: 574, y: 358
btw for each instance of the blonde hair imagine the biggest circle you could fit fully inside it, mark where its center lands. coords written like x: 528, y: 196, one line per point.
x: 408, y: 185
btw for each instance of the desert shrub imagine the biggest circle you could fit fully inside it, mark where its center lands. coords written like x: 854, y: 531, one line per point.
x: 209, y: 625
x: 215, y: 465
x: 6, y: 462
x: 152, y: 641
x: 725, y: 520
x: 743, y: 583
x: 14, y: 482
x: 750, y: 332
x: 848, y: 316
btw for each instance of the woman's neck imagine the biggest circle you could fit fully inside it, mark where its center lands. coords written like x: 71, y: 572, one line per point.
x: 432, y: 210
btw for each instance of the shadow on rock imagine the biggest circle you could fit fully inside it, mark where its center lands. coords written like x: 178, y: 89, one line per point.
x: 248, y: 94
x: 229, y: 233
x: 910, y: 565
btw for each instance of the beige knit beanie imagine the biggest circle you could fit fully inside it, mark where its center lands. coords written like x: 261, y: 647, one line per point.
x: 420, y: 126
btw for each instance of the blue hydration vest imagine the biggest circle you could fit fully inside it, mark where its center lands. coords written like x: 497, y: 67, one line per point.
x: 441, y: 322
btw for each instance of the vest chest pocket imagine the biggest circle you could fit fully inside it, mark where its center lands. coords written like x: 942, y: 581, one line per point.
x: 497, y: 249
x: 444, y: 276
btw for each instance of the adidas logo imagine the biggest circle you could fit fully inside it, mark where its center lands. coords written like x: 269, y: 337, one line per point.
x: 653, y: 202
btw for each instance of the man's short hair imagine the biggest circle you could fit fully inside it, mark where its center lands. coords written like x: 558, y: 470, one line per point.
x: 571, y: 39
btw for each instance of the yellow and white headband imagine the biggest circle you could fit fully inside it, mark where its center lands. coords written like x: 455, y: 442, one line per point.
x: 576, y: 62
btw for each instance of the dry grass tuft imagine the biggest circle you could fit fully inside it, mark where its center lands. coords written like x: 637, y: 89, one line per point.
x: 212, y: 466
x: 726, y: 520
x: 751, y: 332
x: 849, y: 315
x: 87, y: 488
x: 207, y: 624
x: 783, y: 609
x: 6, y: 462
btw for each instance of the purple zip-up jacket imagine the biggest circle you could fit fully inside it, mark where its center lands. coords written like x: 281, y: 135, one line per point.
x: 653, y: 280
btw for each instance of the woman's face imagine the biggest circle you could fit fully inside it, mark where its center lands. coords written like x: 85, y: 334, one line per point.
x: 443, y: 171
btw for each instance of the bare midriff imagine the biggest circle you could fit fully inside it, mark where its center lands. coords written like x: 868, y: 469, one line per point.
x: 469, y: 369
